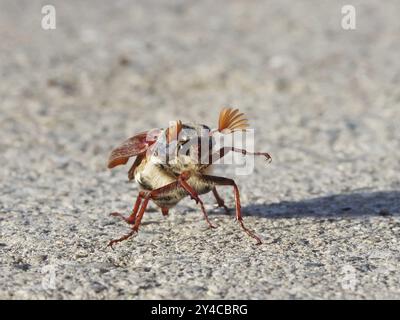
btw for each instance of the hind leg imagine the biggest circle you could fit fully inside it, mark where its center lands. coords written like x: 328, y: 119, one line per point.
x: 180, y: 183
x: 132, y: 217
x: 220, y: 201
x: 138, y: 217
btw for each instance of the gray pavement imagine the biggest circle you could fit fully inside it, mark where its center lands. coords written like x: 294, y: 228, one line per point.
x: 325, y: 104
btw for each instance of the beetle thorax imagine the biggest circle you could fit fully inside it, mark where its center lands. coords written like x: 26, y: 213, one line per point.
x: 183, y: 152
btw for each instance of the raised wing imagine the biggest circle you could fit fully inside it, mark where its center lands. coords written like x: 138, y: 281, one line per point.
x: 133, y: 146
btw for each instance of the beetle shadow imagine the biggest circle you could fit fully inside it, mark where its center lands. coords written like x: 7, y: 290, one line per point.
x: 345, y: 205
x: 357, y: 205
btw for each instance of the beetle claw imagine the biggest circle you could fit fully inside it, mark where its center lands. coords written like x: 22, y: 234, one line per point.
x: 123, y: 238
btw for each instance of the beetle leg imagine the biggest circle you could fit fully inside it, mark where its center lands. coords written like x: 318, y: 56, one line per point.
x: 220, y: 201
x: 164, y: 211
x: 132, y: 217
x: 181, y: 182
x: 229, y: 182
x: 146, y: 196
x: 223, y: 151
x: 125, y: 237
x: 245, y: 152
x: 193, y: 194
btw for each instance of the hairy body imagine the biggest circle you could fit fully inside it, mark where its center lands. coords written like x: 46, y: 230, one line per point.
x: 170, y: 165
x: 151, y: 175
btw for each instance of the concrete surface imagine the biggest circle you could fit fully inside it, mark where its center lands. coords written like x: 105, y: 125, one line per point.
x: 324, y: 102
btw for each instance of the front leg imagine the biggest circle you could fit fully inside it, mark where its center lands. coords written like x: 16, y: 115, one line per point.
x: 229, y: 182
x: 213, y: 157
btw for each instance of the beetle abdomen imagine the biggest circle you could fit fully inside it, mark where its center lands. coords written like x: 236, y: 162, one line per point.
x: 171, y: 198
x: 151, y: 177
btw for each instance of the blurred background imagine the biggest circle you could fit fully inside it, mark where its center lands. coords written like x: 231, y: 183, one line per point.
x: 324, y: 102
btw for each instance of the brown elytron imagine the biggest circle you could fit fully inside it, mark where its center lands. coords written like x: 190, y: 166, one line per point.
x: 176, y: 162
